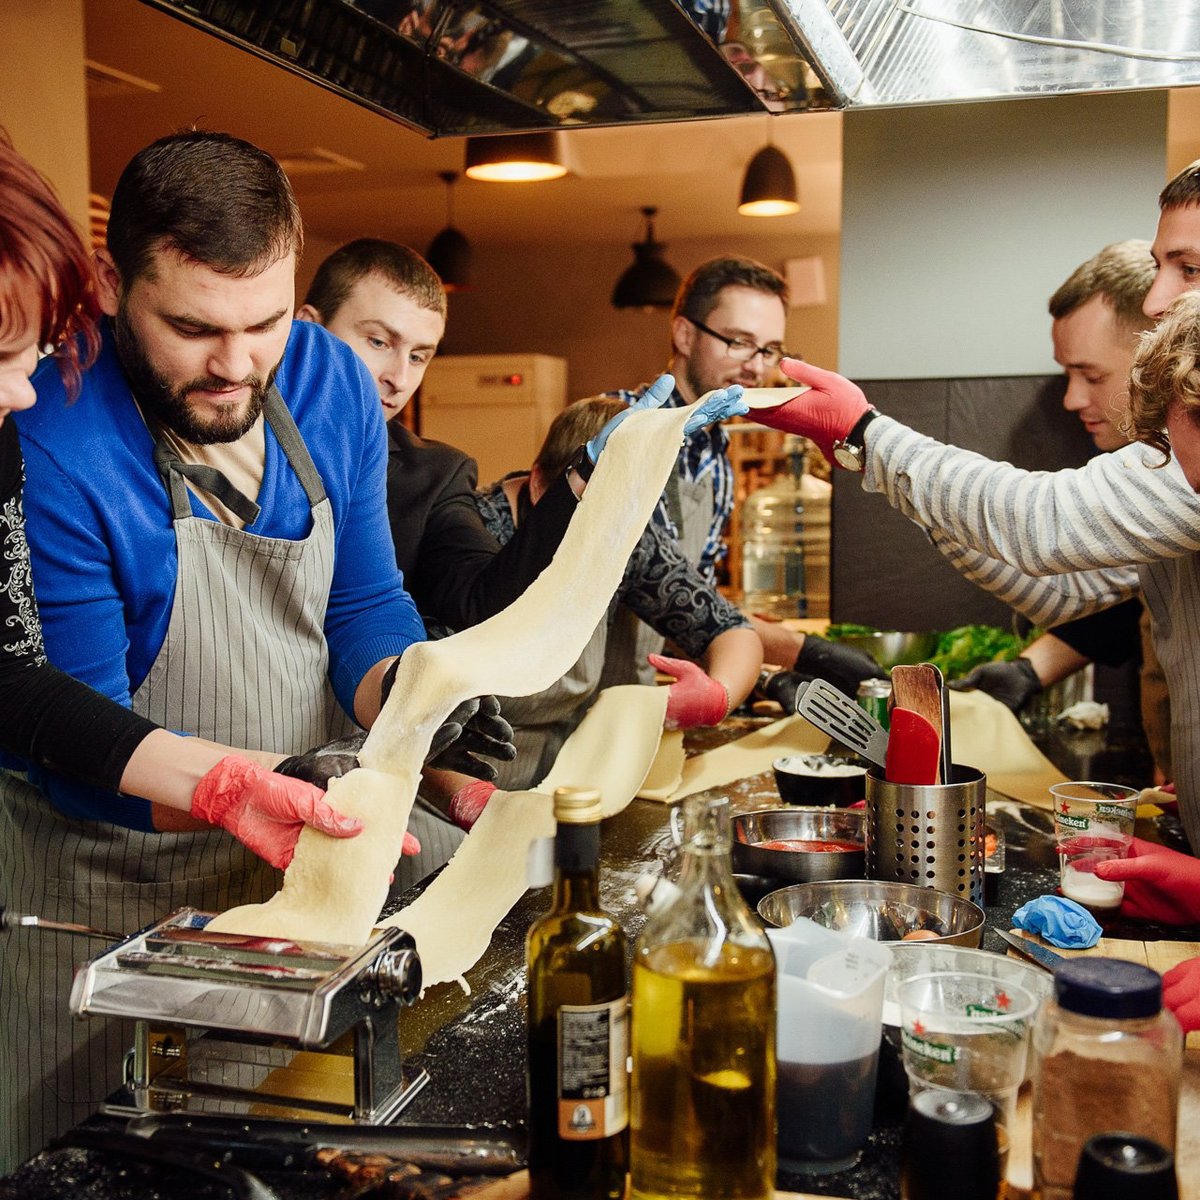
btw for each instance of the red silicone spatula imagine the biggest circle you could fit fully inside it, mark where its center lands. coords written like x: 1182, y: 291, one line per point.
x: 912, y: 750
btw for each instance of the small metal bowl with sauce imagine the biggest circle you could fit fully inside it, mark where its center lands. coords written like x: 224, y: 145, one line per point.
x: 800, y: 844
x: 878, y: 909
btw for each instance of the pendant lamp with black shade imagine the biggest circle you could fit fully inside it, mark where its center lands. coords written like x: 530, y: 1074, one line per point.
x: 769, y: 185
x: 651, y: 282
x: 515, y: 158
x: 449, y: 253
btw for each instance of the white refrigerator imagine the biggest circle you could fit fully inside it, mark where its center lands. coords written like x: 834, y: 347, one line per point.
x: 496, y: 407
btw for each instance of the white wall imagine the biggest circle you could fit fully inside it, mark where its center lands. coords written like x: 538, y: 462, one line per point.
x: 958, y: 222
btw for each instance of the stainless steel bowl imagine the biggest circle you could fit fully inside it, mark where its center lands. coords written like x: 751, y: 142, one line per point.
x: 799, y: 824
x: 882, y: 911
x: 892, y: 648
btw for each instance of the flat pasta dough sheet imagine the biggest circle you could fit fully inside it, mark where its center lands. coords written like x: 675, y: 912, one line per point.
x: 986, y: 735
x: 749, y: 755
x: 521, y: 650
x: 454, y: 918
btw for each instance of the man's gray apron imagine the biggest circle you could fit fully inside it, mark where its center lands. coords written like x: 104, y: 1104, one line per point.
x: 543, y: 721
x: 691, y: 506
x: 245, y: 663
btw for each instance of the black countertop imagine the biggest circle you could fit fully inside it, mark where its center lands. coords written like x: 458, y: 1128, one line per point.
x: 473, y: 1046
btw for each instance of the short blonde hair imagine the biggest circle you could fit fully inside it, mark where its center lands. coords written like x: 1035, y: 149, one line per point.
x: 1166, y: 369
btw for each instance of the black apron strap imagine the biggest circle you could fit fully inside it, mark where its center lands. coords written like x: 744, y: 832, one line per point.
x: 208, y: 479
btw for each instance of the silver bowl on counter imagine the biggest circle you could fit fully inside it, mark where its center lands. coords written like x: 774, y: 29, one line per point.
x: 807, y: 830
x: 880, y: 910
x: 893, y: 648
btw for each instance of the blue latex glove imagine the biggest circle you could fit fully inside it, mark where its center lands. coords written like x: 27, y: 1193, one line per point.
x: 1059, y: 921
x: 727, y: 402
x: 655, y: 396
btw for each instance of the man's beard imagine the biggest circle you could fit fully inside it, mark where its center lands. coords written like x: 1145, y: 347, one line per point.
x: 169, y: 405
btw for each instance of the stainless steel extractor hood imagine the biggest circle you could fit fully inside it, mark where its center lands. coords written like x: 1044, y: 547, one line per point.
x: 454, y: 67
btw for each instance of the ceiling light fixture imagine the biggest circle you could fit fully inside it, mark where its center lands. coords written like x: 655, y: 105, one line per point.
x: 651, y: 282
x: 515, y: 158
x: 449, y: 253
x: 769, y: 185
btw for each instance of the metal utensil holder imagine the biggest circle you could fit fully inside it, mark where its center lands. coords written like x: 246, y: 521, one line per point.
x: 931, y: 836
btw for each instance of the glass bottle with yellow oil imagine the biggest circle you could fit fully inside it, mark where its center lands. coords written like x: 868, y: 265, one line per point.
x: 702, y: 1101
x: 578, y: 1022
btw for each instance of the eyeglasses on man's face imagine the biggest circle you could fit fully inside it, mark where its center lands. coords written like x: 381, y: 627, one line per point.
x: 742, y: 349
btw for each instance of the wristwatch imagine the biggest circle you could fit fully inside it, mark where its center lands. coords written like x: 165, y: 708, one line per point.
x: 850, y: 452
x: 582, y: 464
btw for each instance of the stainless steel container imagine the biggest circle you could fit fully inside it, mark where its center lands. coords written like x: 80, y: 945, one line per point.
x: 931, y: 836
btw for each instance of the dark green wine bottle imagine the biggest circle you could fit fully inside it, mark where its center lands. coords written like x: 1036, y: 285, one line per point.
x: 578, y: 1022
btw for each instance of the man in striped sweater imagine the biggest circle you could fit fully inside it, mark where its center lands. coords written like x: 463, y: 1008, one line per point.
x: 1056, y: 545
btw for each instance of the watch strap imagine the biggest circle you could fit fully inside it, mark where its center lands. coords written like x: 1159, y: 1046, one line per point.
x: 582, y: 464
x: 857, y: 435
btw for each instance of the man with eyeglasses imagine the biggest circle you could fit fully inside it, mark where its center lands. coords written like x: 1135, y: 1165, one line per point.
x: 727, y: 327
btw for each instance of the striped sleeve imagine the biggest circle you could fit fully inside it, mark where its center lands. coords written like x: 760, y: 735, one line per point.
x: 1047, y: 600
x: 1118, y: 509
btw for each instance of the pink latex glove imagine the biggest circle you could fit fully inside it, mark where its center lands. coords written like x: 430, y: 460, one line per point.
x: 469, y: 801
x: 826, y: 413
x: 1181, y: 993
x: 695, y: 698
x: 266, y: 812
x: 1160, y: 884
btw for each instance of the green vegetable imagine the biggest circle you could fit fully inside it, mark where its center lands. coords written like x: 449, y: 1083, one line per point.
x: 959, y: 651
x: 835, y: 633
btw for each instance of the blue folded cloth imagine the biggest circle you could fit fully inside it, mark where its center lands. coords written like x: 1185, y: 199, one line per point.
x: 1059, y: 921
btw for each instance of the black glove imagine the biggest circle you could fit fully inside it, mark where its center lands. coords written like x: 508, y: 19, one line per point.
x: 474, y: 728
x: 784, y: 687
x: 843, y: 666
x: 1012, y: 683
x: 323, y: 763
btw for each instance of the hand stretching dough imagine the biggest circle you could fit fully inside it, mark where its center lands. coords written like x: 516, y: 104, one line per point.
x: 454, y: 918
x: 521, y: 650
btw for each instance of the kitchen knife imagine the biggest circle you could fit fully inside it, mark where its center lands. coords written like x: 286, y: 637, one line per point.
x: 1033, y: 951
x: 912, y: 749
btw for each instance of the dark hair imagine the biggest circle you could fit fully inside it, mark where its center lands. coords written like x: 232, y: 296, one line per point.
x: 1122, y: 273
x: 403, y: 268
x: 698, y: 294
x: 577, y: 423
x: 211, y: 197
x: 1183, y: 190
x: 43, y: 256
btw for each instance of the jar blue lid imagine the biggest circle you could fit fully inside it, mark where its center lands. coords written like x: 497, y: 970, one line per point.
x: 1108, y: 987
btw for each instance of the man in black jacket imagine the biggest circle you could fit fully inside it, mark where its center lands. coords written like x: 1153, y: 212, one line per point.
x: 389, y: 305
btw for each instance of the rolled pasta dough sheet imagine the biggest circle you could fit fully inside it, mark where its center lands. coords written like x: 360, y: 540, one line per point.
x: 519, y: 651
x: 454, y: 918
x: 749, y: 755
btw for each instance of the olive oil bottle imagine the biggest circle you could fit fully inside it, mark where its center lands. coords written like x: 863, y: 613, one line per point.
x: 702, y: 1115
x: 578, y: 1022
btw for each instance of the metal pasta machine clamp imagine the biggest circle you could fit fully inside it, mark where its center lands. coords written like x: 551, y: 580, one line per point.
x: 253, y: 1026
